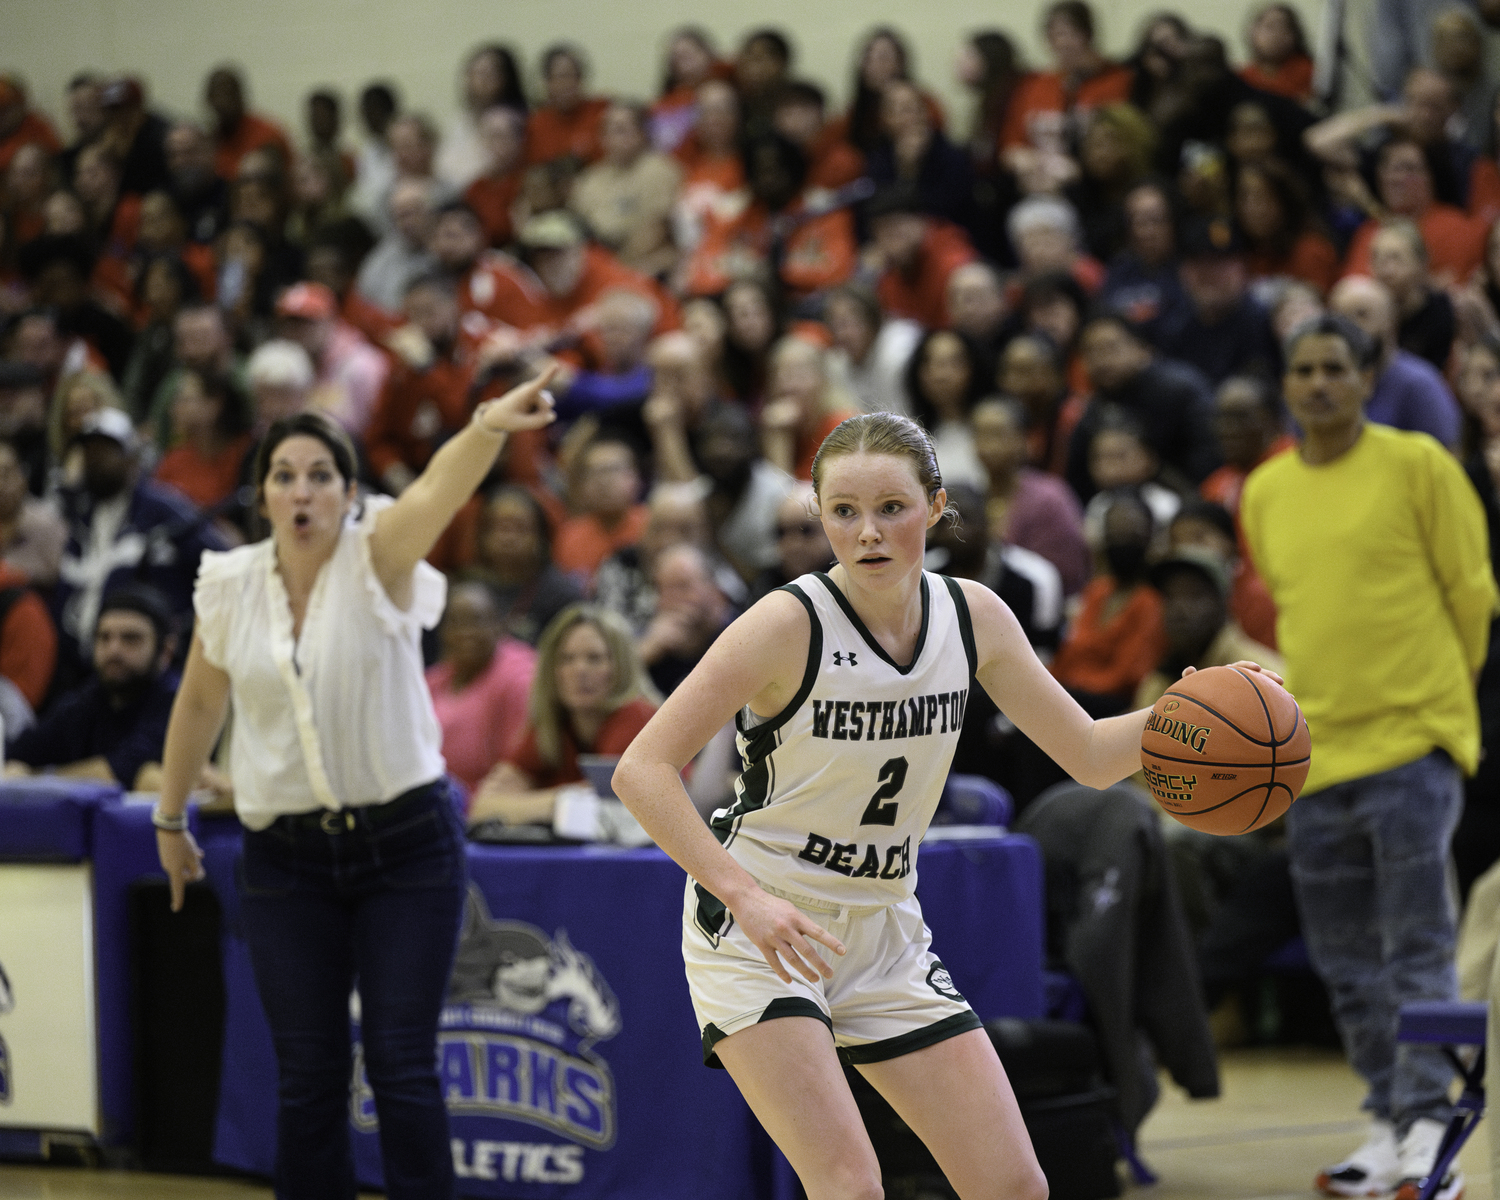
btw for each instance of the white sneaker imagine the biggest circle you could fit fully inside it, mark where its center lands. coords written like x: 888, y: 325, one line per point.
x: 1418, y: 1152
x: 1372, y: 1170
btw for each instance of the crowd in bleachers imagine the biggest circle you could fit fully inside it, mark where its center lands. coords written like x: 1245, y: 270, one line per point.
x: 1080, y: 290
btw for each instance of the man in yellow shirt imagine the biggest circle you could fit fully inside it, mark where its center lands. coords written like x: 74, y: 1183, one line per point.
x: 1373, y: 544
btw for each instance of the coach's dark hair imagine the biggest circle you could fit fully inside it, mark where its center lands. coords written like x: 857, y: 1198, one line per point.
x: 1362, y: 347
x: 311, y: 424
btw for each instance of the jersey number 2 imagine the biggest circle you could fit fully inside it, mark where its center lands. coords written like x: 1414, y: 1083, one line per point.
x: 892, y: 779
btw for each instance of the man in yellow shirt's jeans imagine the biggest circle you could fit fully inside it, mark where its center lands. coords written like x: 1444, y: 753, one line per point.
x: 1373, y: 544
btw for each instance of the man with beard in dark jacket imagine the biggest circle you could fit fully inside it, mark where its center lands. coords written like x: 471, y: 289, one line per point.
x: 113, y: 725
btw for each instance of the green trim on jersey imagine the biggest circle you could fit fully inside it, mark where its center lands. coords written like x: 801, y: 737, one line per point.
x: 782, y: 1006
x: 709, y: 915
x: 889, y: 1048
x: 843, y: 603
x: 758, y: 779
x: 965, y: 621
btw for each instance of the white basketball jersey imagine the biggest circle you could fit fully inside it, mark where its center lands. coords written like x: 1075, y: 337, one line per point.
x: 839, y: 787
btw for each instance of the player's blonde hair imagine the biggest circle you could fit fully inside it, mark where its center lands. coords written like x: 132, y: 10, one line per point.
x: 882, y: 433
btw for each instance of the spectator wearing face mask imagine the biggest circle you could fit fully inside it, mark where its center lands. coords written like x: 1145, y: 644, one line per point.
x: 1116, y: 638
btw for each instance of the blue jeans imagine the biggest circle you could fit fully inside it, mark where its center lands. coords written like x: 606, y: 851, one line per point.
x: 1369, y: 862
x: 374, y: 895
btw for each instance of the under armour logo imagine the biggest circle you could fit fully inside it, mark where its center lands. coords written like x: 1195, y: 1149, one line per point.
x: 839, y: 656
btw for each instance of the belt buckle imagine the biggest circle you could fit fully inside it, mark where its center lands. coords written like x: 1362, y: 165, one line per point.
x: 329, y: 821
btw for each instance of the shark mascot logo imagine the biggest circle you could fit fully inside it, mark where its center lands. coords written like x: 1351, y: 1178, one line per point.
x: 524, y: 1011
x: 7, y: 1002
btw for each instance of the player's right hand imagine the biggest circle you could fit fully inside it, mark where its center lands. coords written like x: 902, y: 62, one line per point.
x: 181, y: 860
x: 781, y: 931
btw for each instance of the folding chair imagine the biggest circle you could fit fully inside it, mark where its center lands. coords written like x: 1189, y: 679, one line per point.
x: 1451, y: 1023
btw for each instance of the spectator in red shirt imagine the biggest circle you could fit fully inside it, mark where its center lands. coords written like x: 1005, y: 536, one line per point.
x: 1272, y: 209
x: 426, y: 397
x: 606, y: 488
x: 568, y: 124
x: 491, y: 79
x: 916, y: 256
x: 114, y: 219
x: 590, y: 695
x: 21, y: 127
x: 798, y: 116
x: 691, y: 62
x: 1048, y: 102
x: 481, y: 685
x: 1280, y: 62
x: 713, y: 168
x: 1403, y: 181
x: 237, y: 131
x: 816, y: 249
x: 493, y: 195
x: 1209, y: 526
x: 332, y: 260
x: 210, y: 436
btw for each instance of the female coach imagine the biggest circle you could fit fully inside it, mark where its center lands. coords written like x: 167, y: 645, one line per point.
x: 848, y: 690
x: 353, y: 863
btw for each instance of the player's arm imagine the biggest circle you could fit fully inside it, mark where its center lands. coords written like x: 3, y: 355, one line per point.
x: 1095, y: 753
x: 405, y: 532
x: 759, y: 660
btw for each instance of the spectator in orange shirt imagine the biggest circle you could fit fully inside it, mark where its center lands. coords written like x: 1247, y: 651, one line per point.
x: 210, y: 436
x: 713, y: 166
x: 691, y: 62
x: 568, y: 124
x: 798, y: 115
x: 1403, y: 181
x: 883, y: 60
x: 816, y: 250
x: 1280, y: 62
x: 1033, y: 370
x: 493, y: 194
x: 1048, y: 104
x: 574, y: 276
x: 1249, y: 428
x: 915, y: 254
x: 237, y: 131
x: 802, y: 407
x: 606, y: 491
x: 114, y: 219
x: 1117, y: 638
x: 163, y: 231
x: 1271, y: 207
x: 19, y: 126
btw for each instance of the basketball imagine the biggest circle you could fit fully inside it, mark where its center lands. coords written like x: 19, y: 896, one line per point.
x: 1226, y: 750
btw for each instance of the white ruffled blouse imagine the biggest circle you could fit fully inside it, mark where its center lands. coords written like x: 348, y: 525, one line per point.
x: 340, y: 717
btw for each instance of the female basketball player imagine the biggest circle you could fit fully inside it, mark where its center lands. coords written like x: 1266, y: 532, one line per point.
x: 849, y: 690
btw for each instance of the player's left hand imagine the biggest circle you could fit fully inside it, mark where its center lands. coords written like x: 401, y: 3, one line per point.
x: 1245, y: 665
x: 528, y: 406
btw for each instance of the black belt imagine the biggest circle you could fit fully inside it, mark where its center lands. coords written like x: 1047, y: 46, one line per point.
x: 344, y: 820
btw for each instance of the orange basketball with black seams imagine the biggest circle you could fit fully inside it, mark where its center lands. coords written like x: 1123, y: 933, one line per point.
x: 1226, y: 750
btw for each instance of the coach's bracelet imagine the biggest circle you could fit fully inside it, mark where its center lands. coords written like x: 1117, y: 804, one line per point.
x: 161, y: 820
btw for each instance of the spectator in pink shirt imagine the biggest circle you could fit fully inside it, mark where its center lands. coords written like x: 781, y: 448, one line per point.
x: 481, y: 686
x: 349, y: 371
